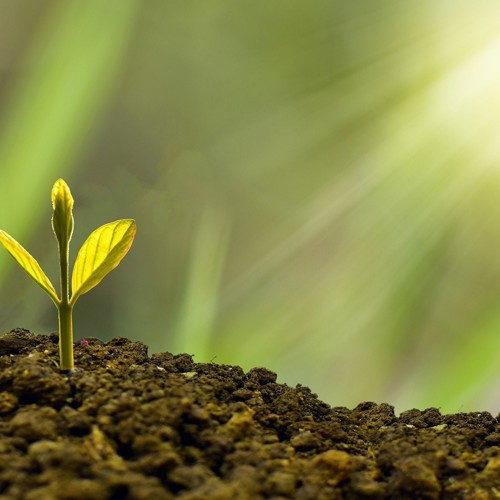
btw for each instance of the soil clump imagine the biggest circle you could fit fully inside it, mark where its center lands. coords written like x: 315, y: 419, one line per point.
x: 124, y: 425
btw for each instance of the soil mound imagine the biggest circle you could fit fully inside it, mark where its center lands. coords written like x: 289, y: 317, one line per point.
x: 124, y: 425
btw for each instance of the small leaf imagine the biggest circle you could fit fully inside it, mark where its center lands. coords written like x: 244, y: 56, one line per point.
x: 100, y: 254
x: 28, y: 263
x: 62, y: 218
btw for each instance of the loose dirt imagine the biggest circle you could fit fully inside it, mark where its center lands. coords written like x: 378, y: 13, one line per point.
x: 124, y: 425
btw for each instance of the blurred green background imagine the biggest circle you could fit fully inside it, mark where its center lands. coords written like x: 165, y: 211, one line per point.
x: 316, y: 184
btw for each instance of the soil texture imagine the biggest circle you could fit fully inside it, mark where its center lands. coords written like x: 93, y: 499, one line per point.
x: 124, y: 425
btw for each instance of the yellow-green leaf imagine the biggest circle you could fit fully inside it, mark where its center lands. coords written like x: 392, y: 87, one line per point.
x: 100, y: 254
x: 28, y: 263
x: 62, y: 218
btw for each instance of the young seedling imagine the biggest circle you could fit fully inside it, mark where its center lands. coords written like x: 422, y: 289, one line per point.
x: 100, y: 254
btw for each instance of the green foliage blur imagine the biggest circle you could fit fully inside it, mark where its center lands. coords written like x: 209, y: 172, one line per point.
x: 316, y: 184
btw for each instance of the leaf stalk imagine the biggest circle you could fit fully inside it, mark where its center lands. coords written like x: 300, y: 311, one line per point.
x: 64, y: 309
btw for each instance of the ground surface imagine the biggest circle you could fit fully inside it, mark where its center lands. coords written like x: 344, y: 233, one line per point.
x: 128, y: 426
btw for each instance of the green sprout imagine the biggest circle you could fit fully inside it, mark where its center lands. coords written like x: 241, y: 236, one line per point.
x: 101, y: 253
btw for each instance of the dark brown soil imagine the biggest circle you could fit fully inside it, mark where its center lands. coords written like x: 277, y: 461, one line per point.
x: 128, y: 426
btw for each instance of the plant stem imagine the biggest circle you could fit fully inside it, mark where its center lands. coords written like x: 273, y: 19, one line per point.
x: 65, y: 315
x: 65, y: 311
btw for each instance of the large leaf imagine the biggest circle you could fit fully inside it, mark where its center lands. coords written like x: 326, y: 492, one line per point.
x: 28, y: 263
x: 100, y: 254
x: 62, y: 218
